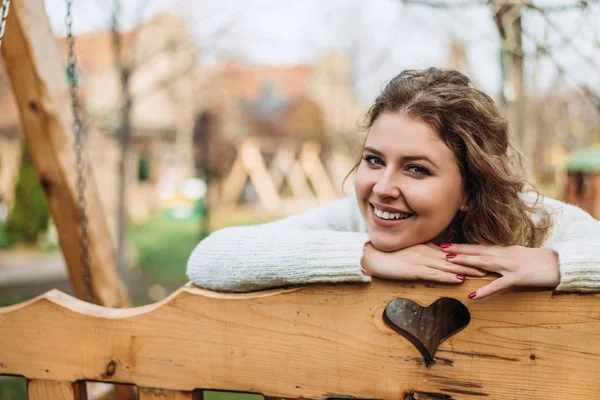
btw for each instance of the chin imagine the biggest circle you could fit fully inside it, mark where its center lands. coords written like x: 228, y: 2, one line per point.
x: 387, y: 245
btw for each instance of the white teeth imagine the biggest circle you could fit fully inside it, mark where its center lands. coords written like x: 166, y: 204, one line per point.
x: 389, y: 215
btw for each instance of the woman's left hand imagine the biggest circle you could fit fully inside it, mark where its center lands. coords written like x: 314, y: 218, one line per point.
x: 519, y: 266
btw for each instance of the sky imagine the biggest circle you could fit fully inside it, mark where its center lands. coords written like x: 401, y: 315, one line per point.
x: 381, y: 37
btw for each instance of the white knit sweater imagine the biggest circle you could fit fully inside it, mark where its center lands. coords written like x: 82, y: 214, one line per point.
x: 326, y: 244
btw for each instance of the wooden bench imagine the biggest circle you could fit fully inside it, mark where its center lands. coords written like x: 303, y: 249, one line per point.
x: 317, y: 342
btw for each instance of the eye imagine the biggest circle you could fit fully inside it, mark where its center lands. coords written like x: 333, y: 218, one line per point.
x: 418, y: 170
x: 373, y: 160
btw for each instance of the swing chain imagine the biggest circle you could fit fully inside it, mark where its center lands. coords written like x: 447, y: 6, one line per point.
x: 80, y: 167
x: 3, y: 16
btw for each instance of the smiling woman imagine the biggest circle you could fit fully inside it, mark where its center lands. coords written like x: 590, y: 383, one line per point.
x: 407, y: 169
x: 436, y: 198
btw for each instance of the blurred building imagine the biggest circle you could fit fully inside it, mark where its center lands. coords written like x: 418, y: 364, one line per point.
x: 277, y: 104
x: 169, y: 91
x: 161, y: 56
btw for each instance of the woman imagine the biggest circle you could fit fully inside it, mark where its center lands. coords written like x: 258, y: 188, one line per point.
x: 436, y: 198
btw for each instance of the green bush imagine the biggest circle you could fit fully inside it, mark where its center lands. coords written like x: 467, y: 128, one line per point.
x: 144, y: 169
x: 29, y: 215
x: 13, y: 388
x: 5, y: 238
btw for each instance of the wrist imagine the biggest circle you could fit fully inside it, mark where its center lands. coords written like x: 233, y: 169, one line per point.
x: 364, y: 260
x: 555, y: 266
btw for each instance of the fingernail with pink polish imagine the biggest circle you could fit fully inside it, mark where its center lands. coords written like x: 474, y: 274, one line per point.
x: 482, y: 271
x: 461, y: 277
x: 472, y: 295
x: 445, y: 245
x: 450, y: 255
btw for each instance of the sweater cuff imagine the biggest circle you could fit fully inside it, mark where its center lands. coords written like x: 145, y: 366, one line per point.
x: 578, y: 271
x: 340, y: 260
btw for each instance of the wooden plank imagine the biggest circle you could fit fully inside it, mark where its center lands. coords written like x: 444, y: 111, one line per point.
x: 286, y: 167
x: 257, y: 171
x: 33, y: 63
x: 163, y: 394
x: 234, y: 184
x: 312, y: 342
x: 339, y: 165
x: 10, y: 161
x: 55, y: 390
x: 311, y: 162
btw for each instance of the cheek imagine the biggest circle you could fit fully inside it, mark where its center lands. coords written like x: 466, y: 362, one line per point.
x: 363, y: 186
x: 364, y: 181
x: 433, y: 196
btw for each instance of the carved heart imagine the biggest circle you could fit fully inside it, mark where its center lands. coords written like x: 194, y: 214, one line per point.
x: 427, y: 327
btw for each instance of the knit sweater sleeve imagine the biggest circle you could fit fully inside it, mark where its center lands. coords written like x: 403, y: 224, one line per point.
x: 575, y: 236
x: 320, y: 245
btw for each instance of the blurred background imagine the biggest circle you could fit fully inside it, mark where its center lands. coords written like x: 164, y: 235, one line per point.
x: 228, y: 112
x: 238, y: 112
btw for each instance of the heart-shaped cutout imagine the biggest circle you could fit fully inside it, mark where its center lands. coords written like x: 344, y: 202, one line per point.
x: 427, y: 327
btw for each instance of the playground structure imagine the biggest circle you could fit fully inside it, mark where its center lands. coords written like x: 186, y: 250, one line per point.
x: 384, y: 340
x: 302, y: 169
x: 583, y: 180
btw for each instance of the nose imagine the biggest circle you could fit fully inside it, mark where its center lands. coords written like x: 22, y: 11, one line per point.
x: 386, y: 186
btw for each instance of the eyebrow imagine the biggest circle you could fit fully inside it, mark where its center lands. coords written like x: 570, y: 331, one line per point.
x: 415, y: 157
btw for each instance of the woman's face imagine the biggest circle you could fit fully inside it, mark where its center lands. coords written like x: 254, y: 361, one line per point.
x: 408, y: 184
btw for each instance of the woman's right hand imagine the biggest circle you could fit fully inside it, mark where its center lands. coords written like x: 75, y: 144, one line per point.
x: 421, y: 262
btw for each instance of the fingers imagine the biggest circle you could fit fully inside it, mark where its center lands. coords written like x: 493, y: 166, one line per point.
x: 435, y: 275
x: 485, y: 262
x: 434, y: 246
x: 492, y: 288
x: 473, y: 249
x: 444, y: 265
x: 432, y: 250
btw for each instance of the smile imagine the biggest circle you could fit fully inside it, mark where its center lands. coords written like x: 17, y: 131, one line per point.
x: 389, y: 219
x: 390, y: 215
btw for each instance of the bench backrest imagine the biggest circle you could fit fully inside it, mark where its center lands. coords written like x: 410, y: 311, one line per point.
x: 319, y: 342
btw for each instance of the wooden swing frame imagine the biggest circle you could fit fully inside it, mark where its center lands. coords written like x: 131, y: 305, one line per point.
x: 315, y: 342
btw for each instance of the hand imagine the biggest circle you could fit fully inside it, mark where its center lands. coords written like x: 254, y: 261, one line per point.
x: 518, y: 265
x: 423, y: 261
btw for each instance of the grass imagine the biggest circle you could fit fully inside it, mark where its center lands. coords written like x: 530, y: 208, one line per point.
x: 164, y: 244
x: 13, y: 388
x: 10, y: 301
x: 5, y: 238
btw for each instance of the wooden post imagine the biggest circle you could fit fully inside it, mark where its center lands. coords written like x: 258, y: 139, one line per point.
x: 124, y: 70
x: 508, y: 22
x: 33, y: 63
x: 58, y: 390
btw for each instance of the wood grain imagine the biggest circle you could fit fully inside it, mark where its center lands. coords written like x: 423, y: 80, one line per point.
x: 314, y: 342
x: 55, y: 390
x: 33, y: 63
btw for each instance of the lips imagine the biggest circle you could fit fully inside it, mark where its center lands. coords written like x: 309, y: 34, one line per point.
x: 389, y: 217
x: 390, y: 209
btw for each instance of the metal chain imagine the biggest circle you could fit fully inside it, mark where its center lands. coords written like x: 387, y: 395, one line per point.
x: 80, y: 167
x: 3, y: 16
